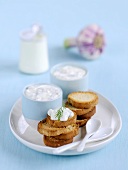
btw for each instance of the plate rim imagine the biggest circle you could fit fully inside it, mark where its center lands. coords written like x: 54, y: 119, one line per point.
x: 66, y: 153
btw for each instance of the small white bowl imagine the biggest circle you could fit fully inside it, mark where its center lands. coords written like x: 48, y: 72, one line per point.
x: 35, y: 110
x: 68, y: 86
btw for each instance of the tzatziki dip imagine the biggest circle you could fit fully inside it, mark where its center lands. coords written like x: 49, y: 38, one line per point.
x: 69, y: 72
x: 42, y: 92
x: 61, y: 114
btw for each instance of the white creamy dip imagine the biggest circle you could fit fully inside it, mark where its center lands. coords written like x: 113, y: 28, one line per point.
x: 69, y: 72
x: 61, y: 114
x: 42, y: 92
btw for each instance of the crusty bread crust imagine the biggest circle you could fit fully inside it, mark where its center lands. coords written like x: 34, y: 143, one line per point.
x: 48, y: 130
x: 87, y: 115
x: 58, y: 123
x: 83, y: 100
x: 78, y: 111
x: 82, y: 122
x: 68, y: 135
x: 53, y: 142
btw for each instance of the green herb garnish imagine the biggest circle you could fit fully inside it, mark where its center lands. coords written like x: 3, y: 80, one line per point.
x: 59, y: 113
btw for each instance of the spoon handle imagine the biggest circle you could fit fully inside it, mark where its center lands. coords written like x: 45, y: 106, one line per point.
x: 65, y: 147
x: 81, y: 146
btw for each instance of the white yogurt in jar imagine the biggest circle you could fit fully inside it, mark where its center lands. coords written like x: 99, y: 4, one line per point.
x: 42, y: 92
x: 69, y: 72
x: 62, y: 114
x: 33, y: 51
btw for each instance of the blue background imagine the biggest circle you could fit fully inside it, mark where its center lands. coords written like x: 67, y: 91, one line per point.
x: 108, y: 74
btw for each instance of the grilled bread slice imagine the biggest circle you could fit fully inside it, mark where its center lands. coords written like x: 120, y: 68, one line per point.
x: 78, y: 111
x: 68, y: 135
x: 48, y: 130
x: 83, y: 100
x: 58, y: 123
x: 53, y: 142
x: 81, y: 122
x: 87, y: 115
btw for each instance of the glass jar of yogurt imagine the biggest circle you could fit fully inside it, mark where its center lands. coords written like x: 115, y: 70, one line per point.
x: 70, y: 77
x: 33, y: 51
x: 37, y: 99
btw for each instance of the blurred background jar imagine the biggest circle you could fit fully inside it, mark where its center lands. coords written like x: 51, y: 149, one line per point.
x: 33, y: 51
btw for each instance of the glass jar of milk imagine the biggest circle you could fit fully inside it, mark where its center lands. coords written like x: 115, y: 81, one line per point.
x: 33, y: 51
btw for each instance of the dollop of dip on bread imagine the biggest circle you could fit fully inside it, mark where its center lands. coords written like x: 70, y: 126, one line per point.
x: 62, y: 114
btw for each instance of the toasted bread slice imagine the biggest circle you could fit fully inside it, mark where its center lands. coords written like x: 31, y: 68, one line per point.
x: 87, y: 115
x: 83, y: 100
x: 53, y: 142
x: 48, y: 130
x: 58, y: 123
x: 68, y: 135
x: 82, y: 122
x: 77, y: 110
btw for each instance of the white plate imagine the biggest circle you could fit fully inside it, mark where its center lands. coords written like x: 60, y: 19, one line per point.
x: 106, y: 112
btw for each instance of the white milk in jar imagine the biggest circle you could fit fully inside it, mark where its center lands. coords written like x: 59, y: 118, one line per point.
x: 33, y: 51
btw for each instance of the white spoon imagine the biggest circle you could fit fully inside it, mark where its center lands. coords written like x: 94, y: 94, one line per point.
x: 92, y: 127
x: 71, y: 145
x: 101, y: 134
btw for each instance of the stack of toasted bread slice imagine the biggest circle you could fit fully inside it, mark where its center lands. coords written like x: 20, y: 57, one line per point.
x: 83, y: 104
x: 57, y: 133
